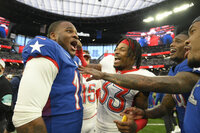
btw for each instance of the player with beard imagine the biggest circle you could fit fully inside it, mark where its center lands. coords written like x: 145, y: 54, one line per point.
x: 192, y: 115
x: 49, y: 97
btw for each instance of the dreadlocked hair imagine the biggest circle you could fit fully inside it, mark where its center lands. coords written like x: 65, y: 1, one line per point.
x: 134, y: 51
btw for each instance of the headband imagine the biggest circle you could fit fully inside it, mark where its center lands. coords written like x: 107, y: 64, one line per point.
x: 125, y: 41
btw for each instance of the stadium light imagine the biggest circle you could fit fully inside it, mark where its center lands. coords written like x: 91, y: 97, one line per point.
x: 163, y: 15
x: 183, y: 7
x: 149, y: 19
x: 167, y: 13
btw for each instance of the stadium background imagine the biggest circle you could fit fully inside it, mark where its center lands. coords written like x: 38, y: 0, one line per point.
x: 99, y: 35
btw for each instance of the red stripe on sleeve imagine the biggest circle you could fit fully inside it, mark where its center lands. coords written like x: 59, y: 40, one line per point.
x: 47, y: 57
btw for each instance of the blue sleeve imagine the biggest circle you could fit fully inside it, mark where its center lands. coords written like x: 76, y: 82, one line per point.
x: 42, y: 47
x: 185, y: 68
x: 182, y: 67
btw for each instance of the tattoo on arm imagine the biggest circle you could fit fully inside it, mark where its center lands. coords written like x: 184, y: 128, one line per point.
x: 183, y: 82
x: 95, y: 66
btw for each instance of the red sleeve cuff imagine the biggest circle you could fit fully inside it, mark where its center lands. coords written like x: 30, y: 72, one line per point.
x: 141, y: 123
x: 79, y: 54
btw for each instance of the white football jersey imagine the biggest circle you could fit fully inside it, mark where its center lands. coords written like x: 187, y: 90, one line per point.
x: 89, y: 97
x: 114, y: 99
x: 107, y: 64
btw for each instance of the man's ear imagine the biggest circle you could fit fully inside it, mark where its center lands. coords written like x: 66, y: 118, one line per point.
x: 52, y: 36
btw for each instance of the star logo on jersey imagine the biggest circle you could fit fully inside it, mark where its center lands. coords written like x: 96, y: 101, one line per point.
x: 36, y: 46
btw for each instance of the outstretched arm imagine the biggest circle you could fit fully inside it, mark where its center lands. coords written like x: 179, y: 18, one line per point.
x: 95, y: 66
x: 159, y: 111
x: 165, y: 107
x: 183, y: 82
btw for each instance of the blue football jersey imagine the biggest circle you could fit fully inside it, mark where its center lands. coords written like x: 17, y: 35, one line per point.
x: 181, y: 99
x: 192, y: 114
x: 63, y: 110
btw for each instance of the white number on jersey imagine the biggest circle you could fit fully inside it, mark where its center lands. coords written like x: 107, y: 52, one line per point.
x: 76, y: 84
x: 119, y: 96
x: 89, y: 94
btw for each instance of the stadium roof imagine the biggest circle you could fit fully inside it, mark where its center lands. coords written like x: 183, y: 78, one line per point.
x: 90, y: 8
x: 107, y: 17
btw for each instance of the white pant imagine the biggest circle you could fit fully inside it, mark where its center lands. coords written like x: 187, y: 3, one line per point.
x: 89, y: 125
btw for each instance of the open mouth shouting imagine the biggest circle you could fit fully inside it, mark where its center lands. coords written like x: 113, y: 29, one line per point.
x: 74, y: 45
x: 117, y: 60
x: 172, y: 51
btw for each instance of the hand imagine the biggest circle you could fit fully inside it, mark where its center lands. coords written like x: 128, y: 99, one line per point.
x: 79, y: 45
x: 135, y: 113
x: 96, y: 75
x: 128, y: 126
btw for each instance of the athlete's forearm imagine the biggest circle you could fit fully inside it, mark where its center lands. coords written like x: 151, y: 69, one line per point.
x: 164, y: 108
x: 156, y: 112
x: 163, y: 84
x: 35, y: 126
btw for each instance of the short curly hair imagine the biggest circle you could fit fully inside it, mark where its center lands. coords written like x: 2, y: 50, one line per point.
x: 53, y: 27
